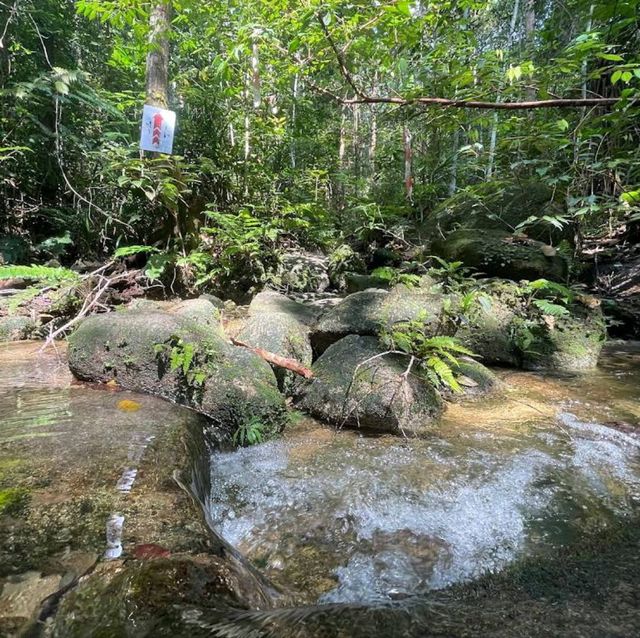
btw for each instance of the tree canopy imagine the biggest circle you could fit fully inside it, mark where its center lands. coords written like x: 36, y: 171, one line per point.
x: 304, y: 122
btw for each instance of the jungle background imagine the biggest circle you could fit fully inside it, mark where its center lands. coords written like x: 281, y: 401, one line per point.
x: 317, y: 128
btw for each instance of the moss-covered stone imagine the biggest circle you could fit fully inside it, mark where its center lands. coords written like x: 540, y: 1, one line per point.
x: 230, y: 385
x: 370, y: 311
x: 282, y: 334
x: 16, y: 328
x: 13, y: 501
x: 497, y: 254
x: 356, y: 387
x: 474, y: 378
x: 500, y: 205
x: 572, y: 342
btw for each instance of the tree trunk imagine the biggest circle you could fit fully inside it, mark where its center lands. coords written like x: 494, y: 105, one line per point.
x: 408, y: 163
x: 158, y: 56
x: 493, y: 137
x: 529, y: 35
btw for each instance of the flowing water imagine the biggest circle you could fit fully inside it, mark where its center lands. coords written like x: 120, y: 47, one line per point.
x: 338, y: 517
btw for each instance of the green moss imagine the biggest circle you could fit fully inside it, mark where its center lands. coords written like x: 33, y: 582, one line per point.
x: 13, y: 501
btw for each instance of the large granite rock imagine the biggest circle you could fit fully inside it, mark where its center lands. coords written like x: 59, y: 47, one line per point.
x: 277, y: 324
x: 498, y: 254
x: 171, y: 356
x: 370, y: 311
x: 356, y: 387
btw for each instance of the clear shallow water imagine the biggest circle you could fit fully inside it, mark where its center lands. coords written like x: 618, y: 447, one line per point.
x: 342, y: 518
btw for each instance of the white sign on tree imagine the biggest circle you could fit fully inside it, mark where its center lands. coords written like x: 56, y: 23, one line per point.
x: 158, y: 126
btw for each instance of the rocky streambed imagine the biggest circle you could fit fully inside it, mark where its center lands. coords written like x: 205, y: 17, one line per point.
x: 509, y: 507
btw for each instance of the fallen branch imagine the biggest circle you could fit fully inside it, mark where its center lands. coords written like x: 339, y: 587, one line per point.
x: 277, y: 360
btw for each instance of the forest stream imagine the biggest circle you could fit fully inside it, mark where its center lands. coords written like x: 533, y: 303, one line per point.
x: 503, y: 492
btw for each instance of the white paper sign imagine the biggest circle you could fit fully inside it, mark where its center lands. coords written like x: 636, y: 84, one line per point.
x: 157, y: 130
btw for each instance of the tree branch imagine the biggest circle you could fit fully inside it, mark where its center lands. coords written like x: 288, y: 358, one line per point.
x: 341, y: 61
x: 476, y: 104
x: 362, y: 98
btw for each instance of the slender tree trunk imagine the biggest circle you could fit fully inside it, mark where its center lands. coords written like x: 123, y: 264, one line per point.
x: 158, y: 55
x: 343, y: 139
x: 529, y: 34
x: 453, y: 180
x: 408, y: 162
x: 294, y: 115
x: 255, y: 73
x: 493, y: 137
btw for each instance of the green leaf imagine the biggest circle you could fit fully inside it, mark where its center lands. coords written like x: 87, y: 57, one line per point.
x: 126, y: 251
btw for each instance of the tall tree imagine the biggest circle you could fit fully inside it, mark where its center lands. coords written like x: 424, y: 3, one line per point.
x: 157, y: 83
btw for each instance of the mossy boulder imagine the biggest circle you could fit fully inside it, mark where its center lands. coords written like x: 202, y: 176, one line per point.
x: 281, y: 334
x: 370, y: 311
x: 354, y: 386
x: 271, y: 301
x: 500, y: 205
x: 487, y: 328
x: 508, y: 329
x: 302, y: 272
x: 202, y: 311
x: 475, y: 379
x: 15, y: 328
x: 171, y: 356
x: 498, y: 254
x: 572, y: 342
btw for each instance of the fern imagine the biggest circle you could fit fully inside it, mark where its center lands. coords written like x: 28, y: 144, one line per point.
x: 250, y: 432
x: 44, y: 274
x: 443, y: 372
x: 550, y: 308
x: 126, y: 251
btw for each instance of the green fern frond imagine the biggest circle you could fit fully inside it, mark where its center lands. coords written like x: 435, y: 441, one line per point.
x: 444, y: 372
x: 44, y: 274
x: 549, y: 308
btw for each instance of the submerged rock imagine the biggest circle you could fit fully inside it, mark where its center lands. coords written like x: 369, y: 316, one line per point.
x: 171, y: 356
x: 354, y: 386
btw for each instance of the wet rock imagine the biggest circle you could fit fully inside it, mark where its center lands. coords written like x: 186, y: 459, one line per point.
x: 498, y: 254
x: 355, y: 387
x: 171, y: 356
x: 475, y: 379
x: 16, y: 328
x: 151, y: 598
x: 369, y: 311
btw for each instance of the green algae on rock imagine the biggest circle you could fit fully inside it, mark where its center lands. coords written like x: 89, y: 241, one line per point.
x: 139, y: 349
x: 497, y: 254
x: 354, y: 385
